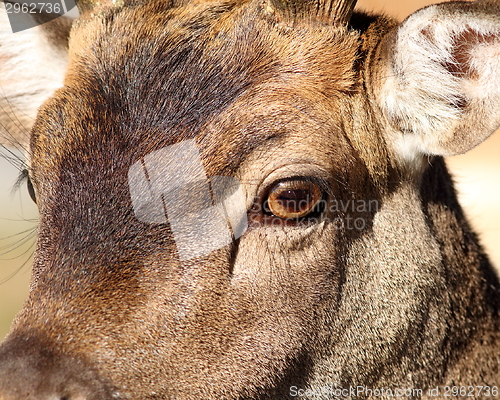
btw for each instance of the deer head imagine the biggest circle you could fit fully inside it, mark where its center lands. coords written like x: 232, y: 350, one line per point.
x: 247, y: 200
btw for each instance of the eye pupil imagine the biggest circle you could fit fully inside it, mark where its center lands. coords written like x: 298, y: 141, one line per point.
x: 294, y: 194
x: 293, y: 199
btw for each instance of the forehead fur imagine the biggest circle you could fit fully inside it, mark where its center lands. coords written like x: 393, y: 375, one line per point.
x: 177, y: 69
x: 144, y: 77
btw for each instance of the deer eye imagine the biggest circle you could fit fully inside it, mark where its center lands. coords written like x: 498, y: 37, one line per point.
x: 31, y: 189
x: 25, y: 176
x: 293, y: 199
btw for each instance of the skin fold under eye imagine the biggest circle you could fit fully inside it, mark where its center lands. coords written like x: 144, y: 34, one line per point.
x: 293, y: 199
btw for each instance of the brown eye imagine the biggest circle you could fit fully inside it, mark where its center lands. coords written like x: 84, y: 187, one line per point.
x: 293, y: 199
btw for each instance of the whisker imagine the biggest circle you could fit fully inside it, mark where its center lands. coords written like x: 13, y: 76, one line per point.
x: 17, y: 270
x: 18, y: 243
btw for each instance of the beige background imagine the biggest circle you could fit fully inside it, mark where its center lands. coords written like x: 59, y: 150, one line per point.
x: 476, y: 173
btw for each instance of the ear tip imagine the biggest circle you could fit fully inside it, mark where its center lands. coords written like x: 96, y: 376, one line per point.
x: 441, y: 78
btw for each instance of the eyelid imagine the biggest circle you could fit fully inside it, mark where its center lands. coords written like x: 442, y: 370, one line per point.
x: 322, y: 183
x: 255, y: 187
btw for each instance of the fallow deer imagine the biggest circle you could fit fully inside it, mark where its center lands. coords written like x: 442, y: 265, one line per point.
x: 248, y: 200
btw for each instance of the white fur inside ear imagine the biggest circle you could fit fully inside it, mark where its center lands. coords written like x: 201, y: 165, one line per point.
x: 30, y: 71
x: 443, y: 59
x: 485, y: 60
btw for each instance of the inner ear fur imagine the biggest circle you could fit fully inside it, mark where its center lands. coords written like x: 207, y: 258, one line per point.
x: 438, y: 79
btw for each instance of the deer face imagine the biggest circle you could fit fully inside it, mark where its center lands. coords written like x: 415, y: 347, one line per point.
x: 150, y: 282
x: 241, y: 308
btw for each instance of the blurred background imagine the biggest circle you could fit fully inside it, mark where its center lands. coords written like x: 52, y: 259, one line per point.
x: 18, y: 221
x: 476, y: 173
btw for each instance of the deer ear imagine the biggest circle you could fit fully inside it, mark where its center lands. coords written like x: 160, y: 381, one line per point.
x: 440, y: 78
x: 32, y: 67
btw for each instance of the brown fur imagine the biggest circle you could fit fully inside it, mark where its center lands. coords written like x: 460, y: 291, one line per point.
x: 409, y: 301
